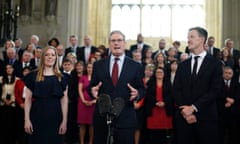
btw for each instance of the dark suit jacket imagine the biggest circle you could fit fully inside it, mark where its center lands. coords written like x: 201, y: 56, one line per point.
x: 236, y: 56
x: 19, y: 67
x: 82, y: 53
x: 202, y: 92
x: 233, y: 92
x: 131, y: 73
x: 2, y: 67
x: 157, y: 51
x: 20, y: 53
x: 15, y: 65
x: 150, y: 98
x: 135, y: 46
x: 69, y: 49
x: 216, y: 52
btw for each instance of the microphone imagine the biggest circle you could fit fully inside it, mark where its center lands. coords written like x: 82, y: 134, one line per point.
x: 117, y: 106
x: 104, y: 104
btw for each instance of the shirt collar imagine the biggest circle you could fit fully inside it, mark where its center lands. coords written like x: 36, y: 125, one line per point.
x: 121, y: 58
x: 201, y: 55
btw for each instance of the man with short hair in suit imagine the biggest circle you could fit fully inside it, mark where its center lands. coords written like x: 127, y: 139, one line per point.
x: 18, y: 46
x: 197, y: 86
x: 12, y: 60
x: 162, y: 48
x: 73, y: 47
x: 140, y: 45
x: 25, y: 62
x: 119, y: 77
x: 234, y: 52
x: 212, y: 50
x: 87, y: 51
x: 228, y: 107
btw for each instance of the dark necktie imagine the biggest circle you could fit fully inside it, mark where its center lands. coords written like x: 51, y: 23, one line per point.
x: 11, y: 61
x: 115, y: 72
x: 194, y: 71
x: 227, y: 88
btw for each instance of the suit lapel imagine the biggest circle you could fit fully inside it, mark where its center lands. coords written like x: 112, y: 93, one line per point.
x: 188, y: 67
x: 107, y: 69
x: 203, y: 66
x: 124, y: 69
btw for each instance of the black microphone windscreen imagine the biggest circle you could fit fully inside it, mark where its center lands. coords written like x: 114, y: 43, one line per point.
x: 104, y: 104
x: 118, y: 105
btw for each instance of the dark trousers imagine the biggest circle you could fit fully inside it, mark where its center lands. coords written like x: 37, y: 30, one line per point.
x: 120, y: 135
x: 21, y: 136
x: 7, y: 125
x: 72, y: 126
x: 157, y: 136
x: 202, y: 132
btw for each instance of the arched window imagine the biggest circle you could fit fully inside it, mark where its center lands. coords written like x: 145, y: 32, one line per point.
x: 157, y: 18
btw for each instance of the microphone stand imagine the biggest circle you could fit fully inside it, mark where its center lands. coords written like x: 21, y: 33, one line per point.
x: 109, y: 122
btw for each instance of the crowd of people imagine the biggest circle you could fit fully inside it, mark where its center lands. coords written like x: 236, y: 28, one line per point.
x: 50, y: 94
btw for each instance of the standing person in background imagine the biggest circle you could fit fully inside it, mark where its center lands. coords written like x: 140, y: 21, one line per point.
x: 197, y: 86
x: 176, y: 45
x: 37, y: 57
x: 73, y: 48
x: 8, y: 44
x: 60, y: 52
x: 85, y: 106
x: 19, y: 48
x: 46, y: 102
x: 87, y: 51
x: 8, y: 106
x: 226, y: 58
x: 119, y: 77
x: 139, y: 46
x: 140, y: 133
x: 20, y: 97
x: 54, y: 42
x: 212, y: 50
x: 72, y: 134
x: 34, y: 40
x: 158, y: 106
x: 233, y: 51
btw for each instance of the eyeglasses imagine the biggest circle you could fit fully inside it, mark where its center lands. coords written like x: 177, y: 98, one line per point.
x: 116, y: 40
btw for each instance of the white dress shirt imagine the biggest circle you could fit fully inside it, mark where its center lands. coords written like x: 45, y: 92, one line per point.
x: 200, y: 60
x: 120, y: 63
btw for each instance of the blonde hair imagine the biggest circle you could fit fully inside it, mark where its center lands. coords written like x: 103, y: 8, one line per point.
x: 40, y: 69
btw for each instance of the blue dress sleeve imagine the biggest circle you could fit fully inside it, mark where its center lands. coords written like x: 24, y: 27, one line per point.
x: 29, y: 80
x: 65, y: 81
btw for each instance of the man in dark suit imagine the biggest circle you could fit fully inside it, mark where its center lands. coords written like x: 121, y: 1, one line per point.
x: 117, y: 76
x: 73, y: 47
x: 19, y: 49
x: 212, y: 50
x: 162, y: 48
x: 196, y: 88
x: 140, y: 45
x: 36, y: 58
x: 87, y: 51
x: 25, y: 62
x: 11, y: 59
x: 228, y: 107
x: 234, y: 52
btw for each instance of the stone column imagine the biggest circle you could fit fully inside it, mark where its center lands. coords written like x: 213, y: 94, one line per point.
x: 74, y: 19
x: 213, y: 9
x: 99, y: 19
x: 231, y: 21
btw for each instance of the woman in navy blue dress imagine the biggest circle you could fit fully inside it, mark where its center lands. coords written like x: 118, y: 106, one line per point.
x: 46, y: 101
